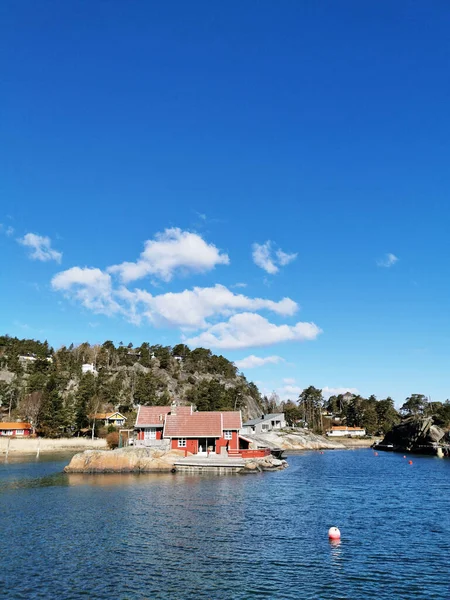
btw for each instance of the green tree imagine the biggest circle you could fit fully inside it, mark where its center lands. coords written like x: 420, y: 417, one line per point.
x: 9, y: 396
x: 292, y: 413
x: 52, y: 421
x: 442, y: 414
x: 387, y: 416
x: 415, y: 405
x: 212, y: 395
x: 146, y: 389
x: 163, y: 354
x: 311, y: 407
x: 181, y: 350
x: 83, y: 398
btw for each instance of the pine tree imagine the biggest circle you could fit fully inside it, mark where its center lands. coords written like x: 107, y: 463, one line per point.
x: 52, y: 418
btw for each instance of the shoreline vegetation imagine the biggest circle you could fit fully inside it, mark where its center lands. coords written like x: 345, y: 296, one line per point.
x: 291, y: 441
x: 62, y: 394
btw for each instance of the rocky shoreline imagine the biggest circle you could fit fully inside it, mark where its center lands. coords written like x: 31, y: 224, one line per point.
x: 153, y: 460
x: 294, y: 439
x: 416, y: 434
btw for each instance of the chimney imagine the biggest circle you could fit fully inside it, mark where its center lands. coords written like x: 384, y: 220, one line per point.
x: 173, y: 410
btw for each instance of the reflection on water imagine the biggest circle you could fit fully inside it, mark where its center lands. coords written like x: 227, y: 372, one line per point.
x: 191, y: 537
x: 115, y: 479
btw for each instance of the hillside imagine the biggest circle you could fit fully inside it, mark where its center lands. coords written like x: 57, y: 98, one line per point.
x: 52, y: 389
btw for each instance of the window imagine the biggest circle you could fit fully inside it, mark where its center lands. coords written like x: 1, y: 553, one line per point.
x: 150, y: 434
x: 228, y: 435
x: 264, y: 427
x: 181, y: 442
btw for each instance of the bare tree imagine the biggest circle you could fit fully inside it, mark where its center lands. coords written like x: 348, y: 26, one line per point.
x: 30, y: 407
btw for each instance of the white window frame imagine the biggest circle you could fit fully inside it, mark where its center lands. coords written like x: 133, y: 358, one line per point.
x: 150, y: 434
x: 181, y: 442
x: 228, y: 435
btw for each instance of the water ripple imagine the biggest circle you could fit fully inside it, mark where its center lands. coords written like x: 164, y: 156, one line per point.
x: 263, y: 537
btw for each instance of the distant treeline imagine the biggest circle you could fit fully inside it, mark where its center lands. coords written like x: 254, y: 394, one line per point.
x: 377, y: 416
x: 49, y: 388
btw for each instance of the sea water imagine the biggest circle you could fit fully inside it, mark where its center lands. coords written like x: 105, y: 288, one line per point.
x: 173, y: 536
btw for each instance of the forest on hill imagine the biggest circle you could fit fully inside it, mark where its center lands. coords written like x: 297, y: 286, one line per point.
x: 59, y: 390
x: 376, y: 415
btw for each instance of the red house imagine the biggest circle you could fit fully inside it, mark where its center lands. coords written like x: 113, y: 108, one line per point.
x: 194, y: 432
x: 150, y: 421
x: 203, y: 432
x: 22, y: 429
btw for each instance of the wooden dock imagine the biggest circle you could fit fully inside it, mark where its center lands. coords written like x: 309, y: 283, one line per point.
x: 210, y: 463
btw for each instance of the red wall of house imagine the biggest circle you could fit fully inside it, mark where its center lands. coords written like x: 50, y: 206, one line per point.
x: 158, y: 434
x: 233, y: 444
x: 260, y: 453
x: 191, y: 445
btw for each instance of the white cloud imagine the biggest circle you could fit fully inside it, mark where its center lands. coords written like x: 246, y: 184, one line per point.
x: 41, y: 247
x: 188, y: 309
x: 290, y: 392
x: 191, y: 308
x: 91, y: 287
x: 197, y: 309
x: 172, y: 251
x: 7, y: 230
x: 335, y: 391
x: 265, y: 258
x: 284, y: 258
x: 388, y: 260
x: 246, y: 330
x: 239, y: 285
x: 252, y: 361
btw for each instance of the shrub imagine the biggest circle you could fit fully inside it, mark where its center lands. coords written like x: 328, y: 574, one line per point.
x: 112, y: 439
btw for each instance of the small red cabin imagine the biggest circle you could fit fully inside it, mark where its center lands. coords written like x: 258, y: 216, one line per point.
x: 204, y: 432
x: 196, y: 432
x: 15, y: 429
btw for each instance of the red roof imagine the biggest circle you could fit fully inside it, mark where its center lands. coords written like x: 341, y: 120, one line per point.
x: 345, y: 428
x: 232, y: 419
x: 182, y: 410
x: 9, y: 426
x: 155, y: 415
x: 198, y: 424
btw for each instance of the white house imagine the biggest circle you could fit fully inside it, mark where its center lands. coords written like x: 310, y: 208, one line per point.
x: 344, y: 431
x: 264, y: 424
x: 27, y: 358
x: 89, y: 368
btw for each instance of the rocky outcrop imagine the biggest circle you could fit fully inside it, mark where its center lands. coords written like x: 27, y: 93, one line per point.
x: 151, y: 460
x: 124, y: 460
x: 293, y: 439
x: 415, y: 434
x: 268, y: 463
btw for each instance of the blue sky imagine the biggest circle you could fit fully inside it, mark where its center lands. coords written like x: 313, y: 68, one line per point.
x: 201, y: 131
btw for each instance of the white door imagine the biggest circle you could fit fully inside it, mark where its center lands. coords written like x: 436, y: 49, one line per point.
x: 150, y: 434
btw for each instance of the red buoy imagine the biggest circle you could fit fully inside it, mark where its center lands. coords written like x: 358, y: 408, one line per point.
x: 410, y: 462
x: 334, y: 533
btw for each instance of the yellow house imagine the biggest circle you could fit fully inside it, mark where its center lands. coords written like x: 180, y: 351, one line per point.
x: 115, y: 418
